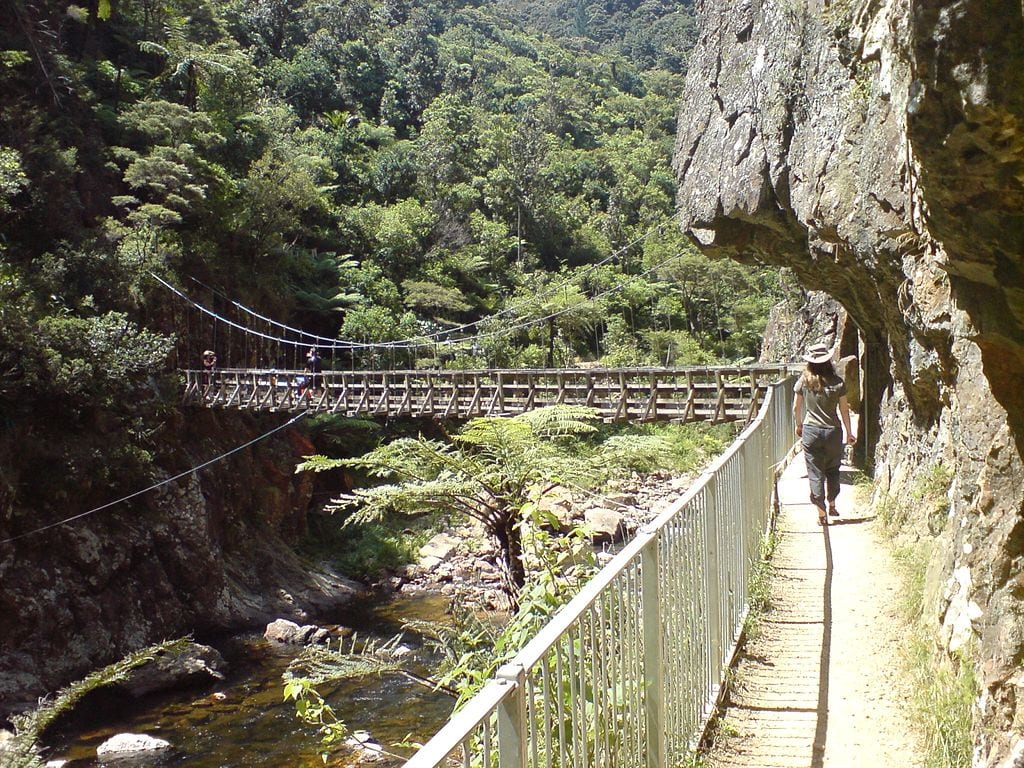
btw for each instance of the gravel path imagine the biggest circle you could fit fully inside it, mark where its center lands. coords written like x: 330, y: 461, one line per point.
x: 821, y: 686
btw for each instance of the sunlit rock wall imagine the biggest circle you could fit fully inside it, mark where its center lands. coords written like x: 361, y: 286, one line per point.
x: 877, y: 149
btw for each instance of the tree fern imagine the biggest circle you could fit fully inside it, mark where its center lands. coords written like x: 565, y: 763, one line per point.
x: 490, y: 472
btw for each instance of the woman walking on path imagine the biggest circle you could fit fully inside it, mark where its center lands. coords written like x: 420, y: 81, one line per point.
x: 819, y: 404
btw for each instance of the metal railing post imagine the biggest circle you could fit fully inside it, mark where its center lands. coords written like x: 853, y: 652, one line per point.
x: 512, y: 718
x: 713, y: 573
x: 654, y: 669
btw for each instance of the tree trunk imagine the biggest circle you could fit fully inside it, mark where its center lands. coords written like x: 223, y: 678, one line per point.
x: 510, y: 560
x: 551, y: 342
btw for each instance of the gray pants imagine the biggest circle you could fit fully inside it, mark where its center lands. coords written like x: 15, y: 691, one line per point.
x: 823, y: 453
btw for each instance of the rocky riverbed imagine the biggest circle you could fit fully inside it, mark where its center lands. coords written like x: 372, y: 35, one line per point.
x: 460, y: 562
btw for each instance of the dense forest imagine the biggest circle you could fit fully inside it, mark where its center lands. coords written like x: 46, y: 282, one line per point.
x: 369, y: 169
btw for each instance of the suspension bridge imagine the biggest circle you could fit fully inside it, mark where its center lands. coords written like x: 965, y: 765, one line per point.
x: 272, y: 380
x: 715, y: 394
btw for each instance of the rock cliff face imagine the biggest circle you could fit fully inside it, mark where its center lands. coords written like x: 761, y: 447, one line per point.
x: 876, y: 147
x: 210, y: 552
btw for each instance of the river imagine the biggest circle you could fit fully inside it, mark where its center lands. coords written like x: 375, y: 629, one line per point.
x: 243, y: 722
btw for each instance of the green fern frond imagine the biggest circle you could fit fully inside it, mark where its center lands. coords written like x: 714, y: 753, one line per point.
x: 320, y: 664
x: 406, y: 498
x: 493, y: 431
x: 560, y: 420
x: 148, y: 46
x: 405, y: 458
x: 318, y: 463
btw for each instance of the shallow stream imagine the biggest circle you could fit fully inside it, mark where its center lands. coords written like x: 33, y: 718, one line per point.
x: 243, y: 721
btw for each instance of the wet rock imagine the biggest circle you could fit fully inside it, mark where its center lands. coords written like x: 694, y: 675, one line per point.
x: 289, y: 633
x: 367, y: 749
x: 124, y: 744
x: 401, y: 651
x: 177, y: 667
x: 319, y: 637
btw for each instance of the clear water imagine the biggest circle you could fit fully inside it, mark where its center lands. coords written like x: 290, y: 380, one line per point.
x: 250, y: 726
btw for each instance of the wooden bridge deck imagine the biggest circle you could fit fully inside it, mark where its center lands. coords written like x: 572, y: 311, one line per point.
x: 626, y: 394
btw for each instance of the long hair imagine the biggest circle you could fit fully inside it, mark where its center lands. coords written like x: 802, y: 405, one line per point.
x: 815, y: 374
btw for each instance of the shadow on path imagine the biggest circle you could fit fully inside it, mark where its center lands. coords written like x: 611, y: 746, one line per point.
x: 821, y: 729
x: 788, y: 705
x: 850, y: 520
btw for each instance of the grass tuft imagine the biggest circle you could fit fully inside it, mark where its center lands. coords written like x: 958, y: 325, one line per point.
x: 945, y: 686
x: 759, y: 588
x: 944, y: 692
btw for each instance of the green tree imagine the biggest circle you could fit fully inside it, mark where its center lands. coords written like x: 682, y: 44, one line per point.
x: 12, y: 177
x: 194, y: 68
x: 488, y: 473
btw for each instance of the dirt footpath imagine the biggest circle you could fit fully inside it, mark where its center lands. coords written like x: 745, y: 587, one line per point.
x: 821, y: 685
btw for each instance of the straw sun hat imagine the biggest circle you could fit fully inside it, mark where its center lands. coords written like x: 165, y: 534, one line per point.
x: 818, y: 353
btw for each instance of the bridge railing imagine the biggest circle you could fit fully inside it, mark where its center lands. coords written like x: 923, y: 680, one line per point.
x: 628, y: 673
x: 618, y: 394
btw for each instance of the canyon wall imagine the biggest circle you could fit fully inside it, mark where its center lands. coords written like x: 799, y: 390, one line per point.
x: 876, y: 148
x: 210, y: 552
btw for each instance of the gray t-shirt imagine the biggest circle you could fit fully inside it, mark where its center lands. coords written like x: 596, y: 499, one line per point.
x: 821, y: 409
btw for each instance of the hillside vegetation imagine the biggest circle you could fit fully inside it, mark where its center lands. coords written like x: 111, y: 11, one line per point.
x: 372, y: 169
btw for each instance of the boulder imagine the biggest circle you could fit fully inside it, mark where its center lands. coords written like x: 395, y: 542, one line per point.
x: 130, y: 743
x: 179, y: 666
x: 605, y: 525
x: 319, y: 637
x: 290, y: 633
x: 556, y: 510
x: 439, y: 549
x: 622, y: 498
x: 401, y: 651
x: 367, y: 749
x: 281, y: 631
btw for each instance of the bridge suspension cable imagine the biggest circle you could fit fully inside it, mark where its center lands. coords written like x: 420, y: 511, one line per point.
x: 408, y: 343
x: 440, y: 336
x: 133, y: 495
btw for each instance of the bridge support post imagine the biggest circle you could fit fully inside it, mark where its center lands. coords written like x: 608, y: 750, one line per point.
x: 512, y: 718
x: 654, y: 652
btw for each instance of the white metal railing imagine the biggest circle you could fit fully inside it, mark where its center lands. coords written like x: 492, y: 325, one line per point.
x: 628, y: 673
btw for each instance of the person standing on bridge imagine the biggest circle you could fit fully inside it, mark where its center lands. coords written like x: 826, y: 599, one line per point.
x: 818, y: 407
x: 209, y: 367
x: 314, y: 365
